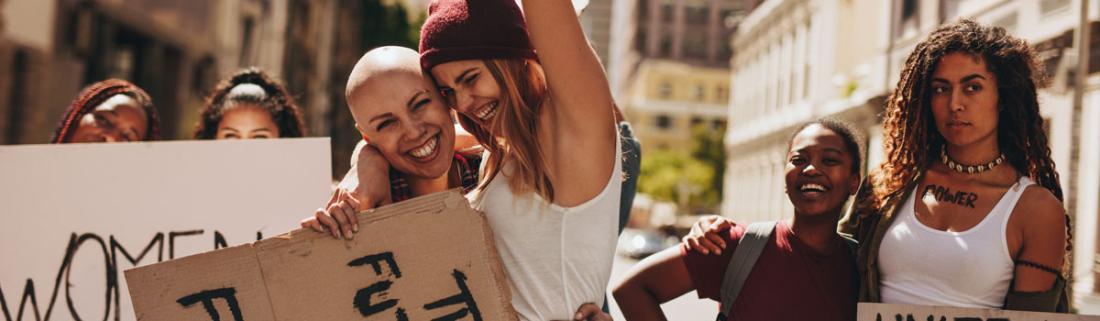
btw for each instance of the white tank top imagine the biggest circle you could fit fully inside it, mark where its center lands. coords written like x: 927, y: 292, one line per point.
x: 556, y: 258
x: 924, y: 266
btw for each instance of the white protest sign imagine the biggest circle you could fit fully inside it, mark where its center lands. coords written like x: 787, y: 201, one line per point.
x: 899, y: 312
x: 75, y: 216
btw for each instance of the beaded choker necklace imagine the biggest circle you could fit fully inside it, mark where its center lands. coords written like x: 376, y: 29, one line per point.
x: 969, y: 169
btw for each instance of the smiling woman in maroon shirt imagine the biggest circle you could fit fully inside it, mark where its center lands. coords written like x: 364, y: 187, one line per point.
x: 806, y: 270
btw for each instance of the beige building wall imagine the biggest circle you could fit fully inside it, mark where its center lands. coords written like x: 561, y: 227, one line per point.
x: 667, y: 98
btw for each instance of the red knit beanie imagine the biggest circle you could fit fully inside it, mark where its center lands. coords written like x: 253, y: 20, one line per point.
x: 473, y: 29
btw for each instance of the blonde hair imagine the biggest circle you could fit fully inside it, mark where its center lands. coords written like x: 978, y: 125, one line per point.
x: 523, y: 94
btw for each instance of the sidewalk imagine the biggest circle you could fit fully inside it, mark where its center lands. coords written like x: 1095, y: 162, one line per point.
x: 1084, y: 299
x: 1088, y: 304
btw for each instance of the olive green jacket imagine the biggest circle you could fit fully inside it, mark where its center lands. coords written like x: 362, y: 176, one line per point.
x: 868, y: 226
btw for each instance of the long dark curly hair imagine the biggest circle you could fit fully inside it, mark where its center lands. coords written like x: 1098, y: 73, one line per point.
x: 911, y: 138
x: 284, y: 111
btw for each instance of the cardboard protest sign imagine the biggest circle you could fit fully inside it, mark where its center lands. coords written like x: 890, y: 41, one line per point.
x: 76, y: 216
x: 429, y: 258
x: 899, y: 312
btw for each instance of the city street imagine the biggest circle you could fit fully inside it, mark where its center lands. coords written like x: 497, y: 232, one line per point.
x: 687, y: 307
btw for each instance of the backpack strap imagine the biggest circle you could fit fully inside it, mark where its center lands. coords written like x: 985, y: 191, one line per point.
x: 853, y: 245
x: 744, y: 258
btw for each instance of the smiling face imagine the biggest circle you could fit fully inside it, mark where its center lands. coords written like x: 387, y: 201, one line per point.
x: 247, y: 121
x: 469, y: 87
x: 403, y: 116
x: 964, y: 100
x: 118, y: 119
x: 819, y: 174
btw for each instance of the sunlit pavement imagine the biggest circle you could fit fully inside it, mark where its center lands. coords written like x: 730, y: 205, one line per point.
x: 687, y: 307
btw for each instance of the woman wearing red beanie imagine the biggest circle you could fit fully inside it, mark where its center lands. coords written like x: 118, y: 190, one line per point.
x: 550, y: 187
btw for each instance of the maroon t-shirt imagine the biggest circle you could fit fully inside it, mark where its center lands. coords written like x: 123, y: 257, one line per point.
x: 789, y: 281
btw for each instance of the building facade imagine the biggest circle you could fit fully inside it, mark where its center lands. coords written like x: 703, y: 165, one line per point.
x: 669, y: 66
x: 669, y: 98
x: 179, y: 50
x: 175, y: 50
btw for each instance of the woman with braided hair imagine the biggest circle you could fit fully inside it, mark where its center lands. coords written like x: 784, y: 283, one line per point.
x: 112, y: 110
x: 250, y: 104
x: 966, y: 210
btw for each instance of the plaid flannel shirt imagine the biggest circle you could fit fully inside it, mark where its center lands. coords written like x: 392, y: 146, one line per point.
x: 467, y: 171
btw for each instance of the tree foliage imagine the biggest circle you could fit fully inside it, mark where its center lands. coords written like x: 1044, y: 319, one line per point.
x: 694, y: 177
x: 388, y: 25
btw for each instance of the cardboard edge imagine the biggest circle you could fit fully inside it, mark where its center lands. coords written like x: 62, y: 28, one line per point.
x: 498, y: 267
x: 140, y: 271
x: 435, y: 202
x: 263, y: 276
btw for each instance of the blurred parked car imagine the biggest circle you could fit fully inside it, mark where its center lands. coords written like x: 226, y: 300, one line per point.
x: 638, y: 244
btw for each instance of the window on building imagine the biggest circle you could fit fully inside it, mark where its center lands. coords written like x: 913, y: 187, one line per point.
x: 717, y: 124
x: 725, y: 49
x: 248, y: 24
x: 697, y: 92
x: 664, y: 122
x: 203, y: 76
x: 640, y: 40
x: 122, y: 62
x: 17, y: 98
x: 667, y: 11
x: 722, y: 94
x: 908, y: 17
x: 664, y: 90
x: 807, y: 62
x: 696, y: 120
x: 696, y: 15
x: 665, y: 49
x: 695, y: 43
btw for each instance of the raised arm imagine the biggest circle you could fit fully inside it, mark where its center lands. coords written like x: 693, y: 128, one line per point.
x: 578, y: 85
x: 653, y: 281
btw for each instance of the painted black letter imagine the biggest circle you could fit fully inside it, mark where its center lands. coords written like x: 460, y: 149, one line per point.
x: 374, y: 260
x: 207, y: 299
x: 463, y: 297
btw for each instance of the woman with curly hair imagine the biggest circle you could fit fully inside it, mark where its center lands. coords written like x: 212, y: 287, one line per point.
x: 108, y: 111
x: 250, y: 104
x: 966, y: 210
